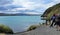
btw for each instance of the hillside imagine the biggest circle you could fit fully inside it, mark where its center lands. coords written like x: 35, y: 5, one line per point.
x: 51, y: 10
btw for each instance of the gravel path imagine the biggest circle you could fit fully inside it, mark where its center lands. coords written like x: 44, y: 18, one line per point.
x: 43, y: 30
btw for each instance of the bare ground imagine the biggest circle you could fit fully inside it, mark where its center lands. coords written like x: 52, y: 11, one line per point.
x: 43, y: 30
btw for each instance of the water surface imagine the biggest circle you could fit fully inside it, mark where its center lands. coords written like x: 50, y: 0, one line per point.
x: 20, y: 23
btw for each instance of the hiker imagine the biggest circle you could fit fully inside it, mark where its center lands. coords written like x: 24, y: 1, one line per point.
x: 53, y: 20
x: 57, y: 23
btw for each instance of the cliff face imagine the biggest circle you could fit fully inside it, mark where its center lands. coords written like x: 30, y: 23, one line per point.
x: 52, y: 10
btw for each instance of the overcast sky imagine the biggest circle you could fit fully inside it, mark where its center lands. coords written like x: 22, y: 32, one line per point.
x: 26, y: 6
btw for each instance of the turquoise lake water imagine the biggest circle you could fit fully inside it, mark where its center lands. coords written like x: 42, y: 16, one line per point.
x: 20, y: 23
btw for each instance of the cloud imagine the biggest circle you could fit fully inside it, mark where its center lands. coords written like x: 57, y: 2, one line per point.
x: 28, y: 6
x: 25, y: 3
x: 39, y: 5
x: 2, y: 8
x: 3, y: 2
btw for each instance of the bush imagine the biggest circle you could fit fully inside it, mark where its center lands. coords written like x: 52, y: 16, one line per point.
x: 5, y: 29
x: 32, y: 27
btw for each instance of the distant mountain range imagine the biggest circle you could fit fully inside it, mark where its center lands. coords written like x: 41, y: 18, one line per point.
x: 19, y: 14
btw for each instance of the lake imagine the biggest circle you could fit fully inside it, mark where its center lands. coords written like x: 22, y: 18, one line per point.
x: 20, y: 23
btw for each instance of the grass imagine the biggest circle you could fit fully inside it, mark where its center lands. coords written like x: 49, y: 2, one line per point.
x: 54, y: 10
x: 5, y: 29
x: 33, y: 27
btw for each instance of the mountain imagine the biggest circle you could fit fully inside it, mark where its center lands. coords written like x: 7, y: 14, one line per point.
x: 18, y: 14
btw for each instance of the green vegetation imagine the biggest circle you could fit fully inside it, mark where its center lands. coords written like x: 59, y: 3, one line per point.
x: 5, y: 29
x: 33, y: 27
x: 52, y: 10
x: 55, y: 10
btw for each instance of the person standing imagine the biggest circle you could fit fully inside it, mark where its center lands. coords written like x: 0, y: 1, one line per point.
x: 53, y: 20
x: 57, y: 23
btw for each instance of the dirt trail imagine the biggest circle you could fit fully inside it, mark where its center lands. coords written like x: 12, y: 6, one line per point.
x: 43, y: 30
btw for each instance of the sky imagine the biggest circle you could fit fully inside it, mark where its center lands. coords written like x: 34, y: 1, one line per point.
x: 26, y: 6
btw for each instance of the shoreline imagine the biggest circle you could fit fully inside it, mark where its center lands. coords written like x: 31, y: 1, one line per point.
x: 38, y: 25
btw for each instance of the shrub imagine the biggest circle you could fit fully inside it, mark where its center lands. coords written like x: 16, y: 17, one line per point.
x: 5, y: 29
x: 32, y: 27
